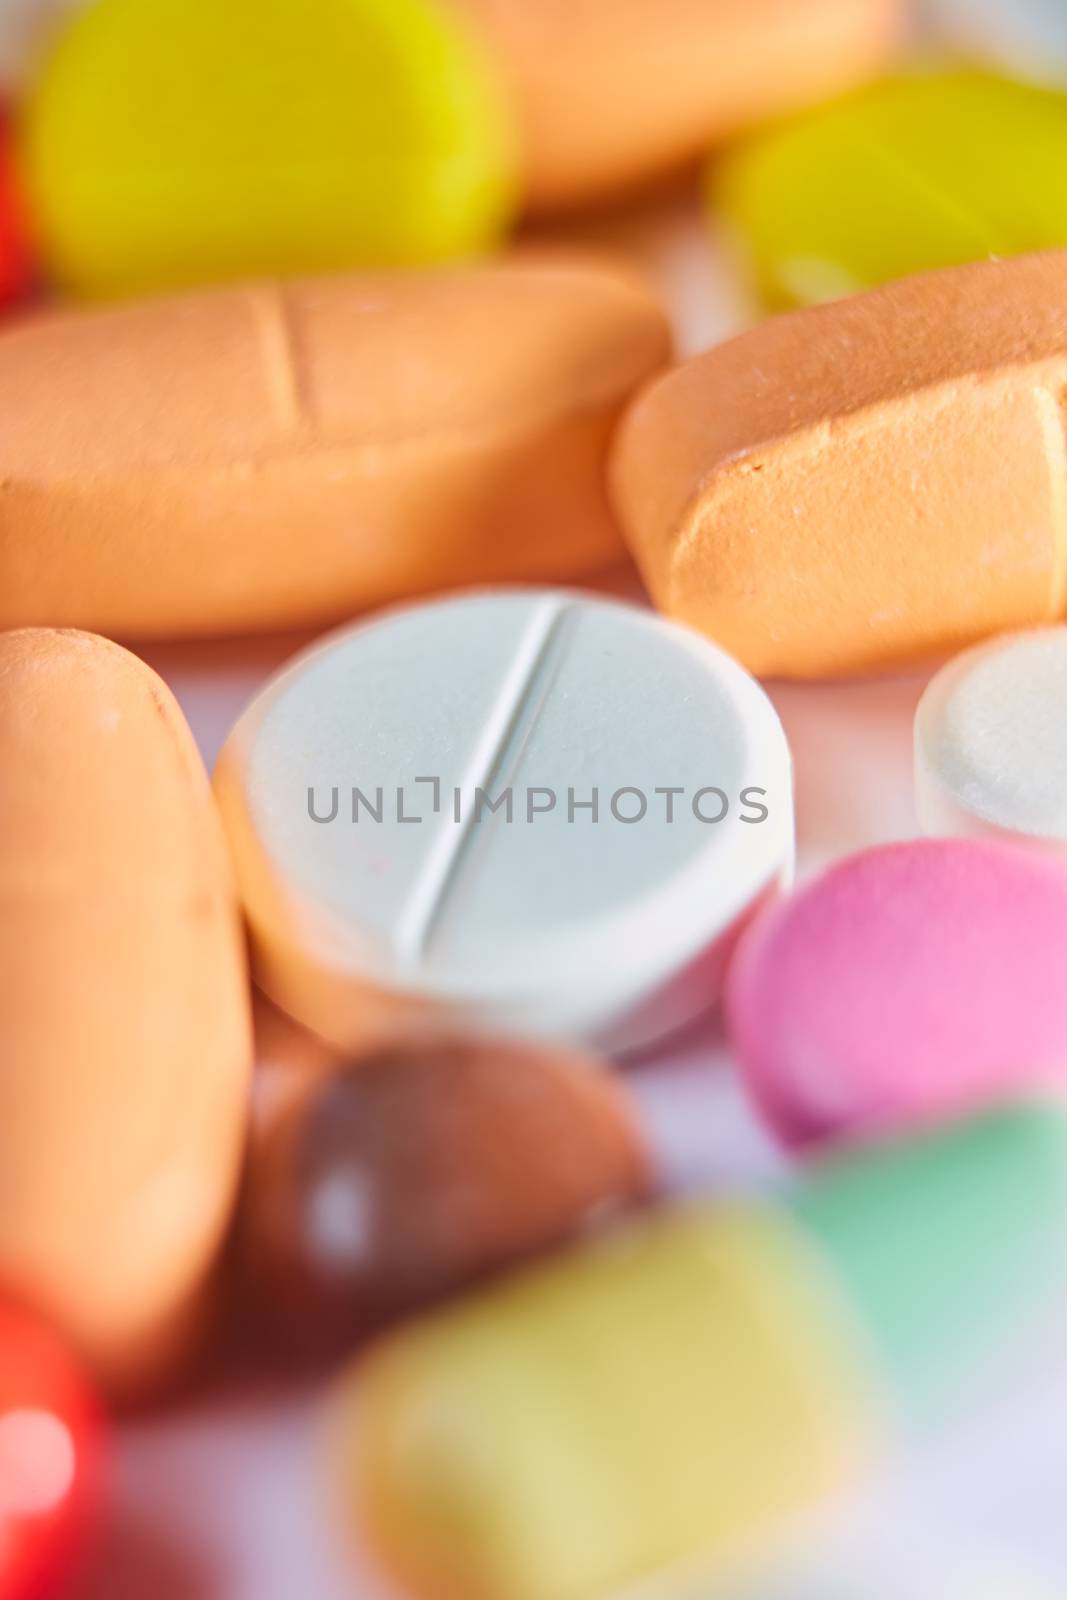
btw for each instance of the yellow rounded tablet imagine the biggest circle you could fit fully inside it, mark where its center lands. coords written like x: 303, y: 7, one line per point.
x: 169, y: 142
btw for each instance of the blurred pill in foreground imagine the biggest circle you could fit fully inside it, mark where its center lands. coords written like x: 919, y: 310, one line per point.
x: 610, y: 93
x: 905, y: 984
x: 671, y: 1396
x: 408, y: 1173
x: 527, y: 811
x: 318, y: 447
x: 932, y: 169
x: 51, y: 1442
x: 183, y: 142
x: 125, y: 1044
x: 991, y: 742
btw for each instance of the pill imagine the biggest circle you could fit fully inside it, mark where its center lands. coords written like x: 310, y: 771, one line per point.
x: 905, y: 984
x: 613, y: 92
x: 926, y: 170
x: 422, y: 1166
x: 864, y: 484
x: 664, y: 1399
x: 990, y: 742
x: 316, y: 448
x: 16, y: 269
x: 51, y: 1449
x: 185, y: 142
x: 524, y: 811
x: 124, y: 1034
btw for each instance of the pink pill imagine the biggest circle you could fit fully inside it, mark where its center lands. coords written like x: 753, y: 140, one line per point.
x: 905, y: 985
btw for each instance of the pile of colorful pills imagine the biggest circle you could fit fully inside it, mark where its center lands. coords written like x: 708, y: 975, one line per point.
x: 496, y: 842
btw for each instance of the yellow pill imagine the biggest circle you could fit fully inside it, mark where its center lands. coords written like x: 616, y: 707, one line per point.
x: 170, y: 142
x: 921, y: 171
x: 591, y: 1424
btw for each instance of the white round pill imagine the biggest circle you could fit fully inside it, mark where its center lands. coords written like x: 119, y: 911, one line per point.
x: 523, y: 809
x: 991, y: 741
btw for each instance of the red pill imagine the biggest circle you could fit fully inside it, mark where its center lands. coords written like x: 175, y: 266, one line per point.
x: 16, y: 257
x: 50, y: 1451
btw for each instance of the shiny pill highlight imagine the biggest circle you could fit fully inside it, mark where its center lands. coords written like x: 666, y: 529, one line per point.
x: 866, y: 484
x: 526, y: 810
x: 317, y: 447
x: 663, y: 1401
x: 413, y: 1170
x: 124, y: 1029
x: 52, y: 1445
x: 167, y: 143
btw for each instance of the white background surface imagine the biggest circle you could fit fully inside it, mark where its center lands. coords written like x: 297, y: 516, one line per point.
x: 224, y: 1498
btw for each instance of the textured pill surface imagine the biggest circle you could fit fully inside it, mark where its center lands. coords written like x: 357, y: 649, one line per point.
x: 317, y: 447
x: 408, y: 1173
x: 904, y: 985
x: 864, y: 484
x: 51, y: 1445
x: 124, y: 1033
x: 525, y: 810
x: 922, y: 171
x: 612, y: 92
x: 181, y: 142
x: 991, y: 741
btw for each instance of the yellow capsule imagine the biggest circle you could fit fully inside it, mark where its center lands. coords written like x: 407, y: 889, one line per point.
x: 624, y: 1410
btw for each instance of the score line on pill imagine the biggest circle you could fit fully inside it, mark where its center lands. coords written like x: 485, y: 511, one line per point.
x: 523, y: 809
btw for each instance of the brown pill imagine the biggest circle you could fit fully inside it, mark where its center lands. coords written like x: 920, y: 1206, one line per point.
x: 866, y: 484
x: 412, y: 1171
x: 124, y: 1031
x: 248, y: 459
x: 612, y: 92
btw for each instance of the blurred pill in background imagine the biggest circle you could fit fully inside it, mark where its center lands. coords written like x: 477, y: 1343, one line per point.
x: 675, y: 1394
x: 903, y: 985
x: 16, y: 254
x: 991, y: 742
x: 125, y: 1044
x: 612, y: 93
x: 928, y: 170
x: 51, y: 1446
x: 529, y: 811
x: 174, y: 142
x: 319, y: 446
x: 407, y: 1174
x: 1025, y: 36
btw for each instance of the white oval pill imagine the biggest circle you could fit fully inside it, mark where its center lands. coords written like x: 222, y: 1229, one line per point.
x: 991, y: 741
x: 527, y: 809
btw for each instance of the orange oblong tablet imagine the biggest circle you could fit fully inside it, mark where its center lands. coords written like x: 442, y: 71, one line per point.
x: 611, y: 93
x: 866, y: 484
x: 124, y: 1028
x: 259, y: 458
